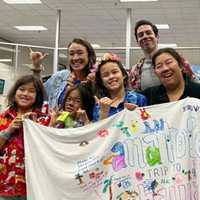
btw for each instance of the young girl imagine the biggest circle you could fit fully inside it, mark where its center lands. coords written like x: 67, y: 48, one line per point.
x: 111, y: 83
x: 24, y: 99
x: 78, y: 108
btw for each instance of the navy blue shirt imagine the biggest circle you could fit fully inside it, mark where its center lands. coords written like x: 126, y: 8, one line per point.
x: 130, y: 97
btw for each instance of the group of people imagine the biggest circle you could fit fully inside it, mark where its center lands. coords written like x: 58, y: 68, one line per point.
x: 85, y: 94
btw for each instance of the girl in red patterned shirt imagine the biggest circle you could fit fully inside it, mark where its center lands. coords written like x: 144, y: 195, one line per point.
x: 24, y: 99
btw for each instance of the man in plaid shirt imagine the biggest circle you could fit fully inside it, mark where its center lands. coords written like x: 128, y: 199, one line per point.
x: 142, y: 74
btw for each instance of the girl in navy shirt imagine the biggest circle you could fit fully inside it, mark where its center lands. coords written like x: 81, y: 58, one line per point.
x: 112, y: 93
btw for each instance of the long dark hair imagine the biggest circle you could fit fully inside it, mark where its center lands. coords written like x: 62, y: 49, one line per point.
x: 40, y: 91
x: 87, y: 98
x: 91, y: 54
x: 101, y: 90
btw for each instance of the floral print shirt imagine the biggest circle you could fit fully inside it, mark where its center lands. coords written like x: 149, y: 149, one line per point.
x: 12, y: 169
x: 55, y: 85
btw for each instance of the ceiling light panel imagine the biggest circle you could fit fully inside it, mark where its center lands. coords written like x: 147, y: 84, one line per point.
x: 162, y: 26
x: 95, y: 45
x: 22, y: 1
x: 31, y: 28
x: 5, y: 60
x: 172, y: 45
x: 125, y: 1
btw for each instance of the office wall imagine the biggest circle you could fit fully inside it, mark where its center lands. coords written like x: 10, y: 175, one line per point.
x: 9, y: 71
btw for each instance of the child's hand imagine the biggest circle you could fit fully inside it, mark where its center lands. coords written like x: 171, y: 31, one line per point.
x: 105, y: 104
x: 81, y: 115
x: 15, y: 124
x: 55, y: 112
x: 130, y: 106
x: 91, y: 77
x: 30, y: 115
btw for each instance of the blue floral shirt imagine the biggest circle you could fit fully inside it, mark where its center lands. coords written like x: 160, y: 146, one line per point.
x: 55, y: 85
x: 130, y: 97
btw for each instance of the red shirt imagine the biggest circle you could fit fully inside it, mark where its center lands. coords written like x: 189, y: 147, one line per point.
x: 12, y: 169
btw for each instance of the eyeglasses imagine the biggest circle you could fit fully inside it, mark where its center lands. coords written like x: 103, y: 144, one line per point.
x: 75, y: 100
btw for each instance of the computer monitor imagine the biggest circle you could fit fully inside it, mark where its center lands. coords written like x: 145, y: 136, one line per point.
x: 2, y: 83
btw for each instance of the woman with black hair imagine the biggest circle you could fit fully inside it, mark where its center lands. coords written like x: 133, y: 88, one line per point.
x: 175, y: 84
x: 81, y: 58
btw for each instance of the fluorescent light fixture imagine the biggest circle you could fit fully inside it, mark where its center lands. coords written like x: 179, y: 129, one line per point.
x: 31, y: 28
x: 8, y: 49
x: 162, y: 26
x: 5, y: 60
x: 172, y: 45
x: 95, y: 45
x: 125, y: 1
x: 22, y: 1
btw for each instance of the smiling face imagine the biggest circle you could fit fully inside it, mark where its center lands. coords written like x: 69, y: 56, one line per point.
x: 112, y: 76
x: 25, y: 96
x: 168, y: 70
x: 146, y: 38
x: 73, y: 102
x: 78, y: 56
